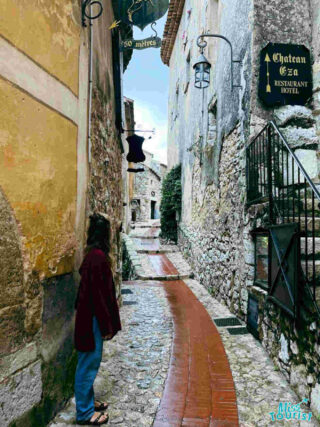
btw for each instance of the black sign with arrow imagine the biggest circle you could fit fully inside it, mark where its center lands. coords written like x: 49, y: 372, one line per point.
x: 285, y: 75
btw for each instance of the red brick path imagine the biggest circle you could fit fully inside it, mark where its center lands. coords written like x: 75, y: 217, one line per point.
x: 199, y: 390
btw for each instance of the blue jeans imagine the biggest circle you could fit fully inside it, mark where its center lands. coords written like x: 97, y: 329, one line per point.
x: 87, y: 369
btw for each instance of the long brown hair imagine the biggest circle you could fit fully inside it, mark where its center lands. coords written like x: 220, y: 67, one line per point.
x: 99, y: 234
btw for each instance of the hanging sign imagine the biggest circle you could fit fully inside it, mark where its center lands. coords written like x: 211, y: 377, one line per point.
x: 285, y: 74
x: 140, y: 12
x: 136, y: 154
x: 140, y: 44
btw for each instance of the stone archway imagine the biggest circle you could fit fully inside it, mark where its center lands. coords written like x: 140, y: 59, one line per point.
x: 12, y: 311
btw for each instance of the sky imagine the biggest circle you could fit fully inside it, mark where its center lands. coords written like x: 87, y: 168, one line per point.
x: 146, y: 82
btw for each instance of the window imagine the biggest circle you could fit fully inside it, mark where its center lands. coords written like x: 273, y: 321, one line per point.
x: 261, y: 259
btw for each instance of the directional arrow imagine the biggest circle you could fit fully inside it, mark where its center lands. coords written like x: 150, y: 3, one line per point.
x: 267, y: 60
x: 114, y: 24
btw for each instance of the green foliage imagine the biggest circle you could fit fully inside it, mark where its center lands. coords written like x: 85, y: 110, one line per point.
x: 126, y: 264
x: 171, y: 204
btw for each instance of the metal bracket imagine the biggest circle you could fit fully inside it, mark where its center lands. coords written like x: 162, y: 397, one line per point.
x: 153, y: 29
x: 85, y: 5
x: 137, y: 130
x: 202, y: 44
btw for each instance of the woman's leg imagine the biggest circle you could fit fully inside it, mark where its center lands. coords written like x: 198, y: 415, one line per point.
x: 98, y: 350
x: 87, y: 369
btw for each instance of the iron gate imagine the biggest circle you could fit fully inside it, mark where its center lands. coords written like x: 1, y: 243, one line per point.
x: 283, y: 266
x: 275, y: 176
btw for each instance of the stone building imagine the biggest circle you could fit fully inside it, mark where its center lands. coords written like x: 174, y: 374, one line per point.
x: 209, y: 132
x: 141, y: 191
x: 60, y: 159
x: 146, y: 197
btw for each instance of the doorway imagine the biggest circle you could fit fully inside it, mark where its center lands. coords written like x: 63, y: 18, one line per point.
x: 153, y: 209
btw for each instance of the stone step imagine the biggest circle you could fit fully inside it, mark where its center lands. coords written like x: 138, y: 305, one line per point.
x: 169, y: 277
x: 309, y: 223
x: 157, y: 251
x: 288, y: 204
x: 310, y: 268
x: 138, y: 226
x: 318, y: 296
x: 309, y: 191
x: 309, y: 245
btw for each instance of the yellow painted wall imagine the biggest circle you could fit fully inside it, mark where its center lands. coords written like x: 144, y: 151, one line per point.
x: 38, y: 173
x: 46, y: 31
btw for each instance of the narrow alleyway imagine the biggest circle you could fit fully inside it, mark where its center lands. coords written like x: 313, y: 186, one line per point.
x: 172, y: 365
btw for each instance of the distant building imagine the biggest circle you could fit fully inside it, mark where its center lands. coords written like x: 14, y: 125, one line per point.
x: 146, y: 198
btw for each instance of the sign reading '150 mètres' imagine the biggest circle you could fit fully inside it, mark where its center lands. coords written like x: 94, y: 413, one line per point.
x: 285, y: 75
x: 140, y: 44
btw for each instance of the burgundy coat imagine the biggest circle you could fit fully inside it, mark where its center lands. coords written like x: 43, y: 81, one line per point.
x: 96, y: 297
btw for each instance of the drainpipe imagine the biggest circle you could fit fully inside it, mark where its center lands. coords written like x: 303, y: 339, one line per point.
x: 90, y: 88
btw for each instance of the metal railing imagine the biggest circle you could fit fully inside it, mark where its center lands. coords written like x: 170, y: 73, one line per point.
x: 275, y: 175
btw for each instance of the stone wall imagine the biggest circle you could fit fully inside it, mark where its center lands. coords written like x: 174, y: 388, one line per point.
x: 131, y: 267
x: 42, y: 201
x: 105, y: 180
x: 208, y: 133
x: 213, y: 238
x: 47, y: 191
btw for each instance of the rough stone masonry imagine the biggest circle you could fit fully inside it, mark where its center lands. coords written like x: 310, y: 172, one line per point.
x: 208, y: 134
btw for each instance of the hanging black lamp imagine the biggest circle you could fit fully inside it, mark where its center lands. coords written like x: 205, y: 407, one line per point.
x: 135, y: 154
x: 202, y: 66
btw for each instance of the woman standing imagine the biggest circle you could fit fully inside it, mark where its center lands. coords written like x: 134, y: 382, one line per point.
x: 97, y: 318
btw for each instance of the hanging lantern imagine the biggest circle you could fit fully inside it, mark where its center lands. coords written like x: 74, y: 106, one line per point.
x: 202, y: 72
x: 135, y: 154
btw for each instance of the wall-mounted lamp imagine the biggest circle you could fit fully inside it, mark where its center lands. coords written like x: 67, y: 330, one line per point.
x: 202, y: 72
x: 202, y: 66
x: 87, y: 4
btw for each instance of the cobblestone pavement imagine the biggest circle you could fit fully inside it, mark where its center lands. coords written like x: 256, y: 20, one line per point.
x: 259, y: 385
x: 135, y: 363
x: 147, y: 266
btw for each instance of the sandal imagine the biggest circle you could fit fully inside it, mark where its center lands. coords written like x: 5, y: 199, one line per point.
x: 95, y: 422
x: 101, y: 406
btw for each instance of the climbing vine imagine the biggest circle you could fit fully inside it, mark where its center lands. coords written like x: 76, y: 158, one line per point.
x: 171, y: 204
